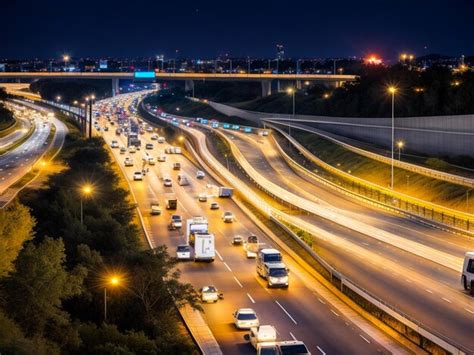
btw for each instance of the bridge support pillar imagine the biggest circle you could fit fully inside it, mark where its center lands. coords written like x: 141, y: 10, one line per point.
x: 188, y: 85
x: 115, y: 87
x: 266, y: 88
x: 278, y: 86
x: 298, y: 84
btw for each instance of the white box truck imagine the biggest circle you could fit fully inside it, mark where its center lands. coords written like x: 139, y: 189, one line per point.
x: 204, y: 248
x: 195, y: 225
x: 271, y: 267
x: 467, y: 278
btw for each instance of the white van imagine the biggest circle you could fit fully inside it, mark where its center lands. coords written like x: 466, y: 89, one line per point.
x: 183, y: 180
x: 467, y: 278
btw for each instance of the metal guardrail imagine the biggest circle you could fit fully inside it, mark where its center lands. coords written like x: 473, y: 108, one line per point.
x: 442, y: 215
x: 436, y: 174
x: 282, y: 218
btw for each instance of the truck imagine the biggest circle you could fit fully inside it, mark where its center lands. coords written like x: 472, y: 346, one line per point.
x: 204, y: 248
x: 171, y: 203
x: 183, y: 180
x: 225, y: 191
x: 195, y: 225
x: 271, y: 267
x: 467, y: 278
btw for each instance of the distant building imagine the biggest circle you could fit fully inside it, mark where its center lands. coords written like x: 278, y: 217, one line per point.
x: 280, y: 51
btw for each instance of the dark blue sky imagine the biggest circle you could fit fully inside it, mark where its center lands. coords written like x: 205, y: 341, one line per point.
x: 240, y: 28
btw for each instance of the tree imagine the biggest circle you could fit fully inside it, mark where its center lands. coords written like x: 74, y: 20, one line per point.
x: 16, y: 225
x: 35, y: 291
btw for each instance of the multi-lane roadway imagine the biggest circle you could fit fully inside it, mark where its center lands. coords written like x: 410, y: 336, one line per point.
x: 300, y: 312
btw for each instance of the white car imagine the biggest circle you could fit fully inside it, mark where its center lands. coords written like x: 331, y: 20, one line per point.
x: 210, y: 294
x: 149, y: 129
x: 151, y: 161
x: 202, y: 197
x: 161, y: 158
x: 167, y: 182
x: 155, y: 208
x: 200, y: 174
x: 154, y: 137
x: 137, y: 176
x: 128, y: 161
x: 132, y: 149
x: 228, y: 217
x: 114, y: 144
x: 245, y: 318
x: 183, y: 252
x: 123, y: 150
x: 161, y: 140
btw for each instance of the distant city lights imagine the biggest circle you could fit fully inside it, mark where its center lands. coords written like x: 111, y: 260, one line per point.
x: 373, y: 59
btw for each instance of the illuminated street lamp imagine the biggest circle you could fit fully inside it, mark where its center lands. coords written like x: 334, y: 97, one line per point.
x: 58, y: 98
x: 86, y: 191
x: 66, y: 59
x: 291, y: 91
x: 392, y: 90
x: 400, y: 145
x: 112, y: 281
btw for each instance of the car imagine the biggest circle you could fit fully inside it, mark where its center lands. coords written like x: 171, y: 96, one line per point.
x: 202, y: 197
x: 106, y: 129
x: 176, y: 222
x: 114, y: 144
x: 176, y: 166
x: 214, y: 206
x: 167, y: 182
x: 161, y: 140
x: 151, y: 161
x: 293, y: 347
x: 148, y: 146
x: 245, y: 318
x: 200, y: 174
x: 168, y: 150
x: 132, y: 149
x: 128, y: 161
x: 210, y: 294
x: 149, y: 129
x: 154, y: 137
x: 228, y: 217
x: 123, y: 150
x: 183, y: 252
x: 137, y: 176
x: 161, y: 158
x: 237, y: 240
x: 155, y: 208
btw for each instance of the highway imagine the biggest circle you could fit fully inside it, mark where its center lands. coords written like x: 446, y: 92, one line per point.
x: 299, y: 312
x: 425, y: 290
x: 18, y: 161
x: 22, y: 128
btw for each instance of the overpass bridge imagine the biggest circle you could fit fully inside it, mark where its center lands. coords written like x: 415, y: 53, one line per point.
x: 266, y: 79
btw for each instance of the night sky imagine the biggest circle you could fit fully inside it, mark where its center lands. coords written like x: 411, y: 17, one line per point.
x: 206, y: 29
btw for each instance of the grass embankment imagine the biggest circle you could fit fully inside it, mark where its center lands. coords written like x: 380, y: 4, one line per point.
x: 8, y: 128
x: 413, y: 184
x: 171, y: 103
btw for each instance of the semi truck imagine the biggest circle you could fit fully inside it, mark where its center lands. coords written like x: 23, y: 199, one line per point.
x: 467, y: 278
x: 270, y: 266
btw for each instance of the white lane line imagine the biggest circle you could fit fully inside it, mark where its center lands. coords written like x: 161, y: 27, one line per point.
x: 227, y: 266
x: 250, y: 297
x: 445, y: 299
x: 429, y: 291
x: 367, y: 340
x: 294, y: 338
x: 469, y: 310
x: 320, y: 300
x: 219, y: 255
x: 321, y: 350
x: 337, y: 315
x: 238, y: 282
x: 284, y: 310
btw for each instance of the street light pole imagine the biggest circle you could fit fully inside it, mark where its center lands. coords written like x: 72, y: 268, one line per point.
x: 392, y: 90
x: 105, y: 304
x: 82, y: 214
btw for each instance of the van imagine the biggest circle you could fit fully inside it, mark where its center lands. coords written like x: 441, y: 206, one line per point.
x: 183, y: 180
x: 262, y: 334
x: 467, y: 278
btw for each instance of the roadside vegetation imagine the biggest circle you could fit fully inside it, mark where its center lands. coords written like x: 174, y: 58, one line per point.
x: 70, y: 90
x: 436, y: 91
x: 174, y: 101
x: 53, y: 268
x: 6, y: 116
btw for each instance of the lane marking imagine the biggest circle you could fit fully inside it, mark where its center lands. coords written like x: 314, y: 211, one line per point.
x: 445, y: 299
x: 429, y: 291
x: 227, y: 266
x: 219, y: 255
x: 284, y: 310
x: 469, y: 310
x: 321, y: 350
x: 250, y: 297
x: 320, y: 300
x: 238, y: 282
x: 294, y: 338
x: 367, y: 340
x: 337, y: 315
